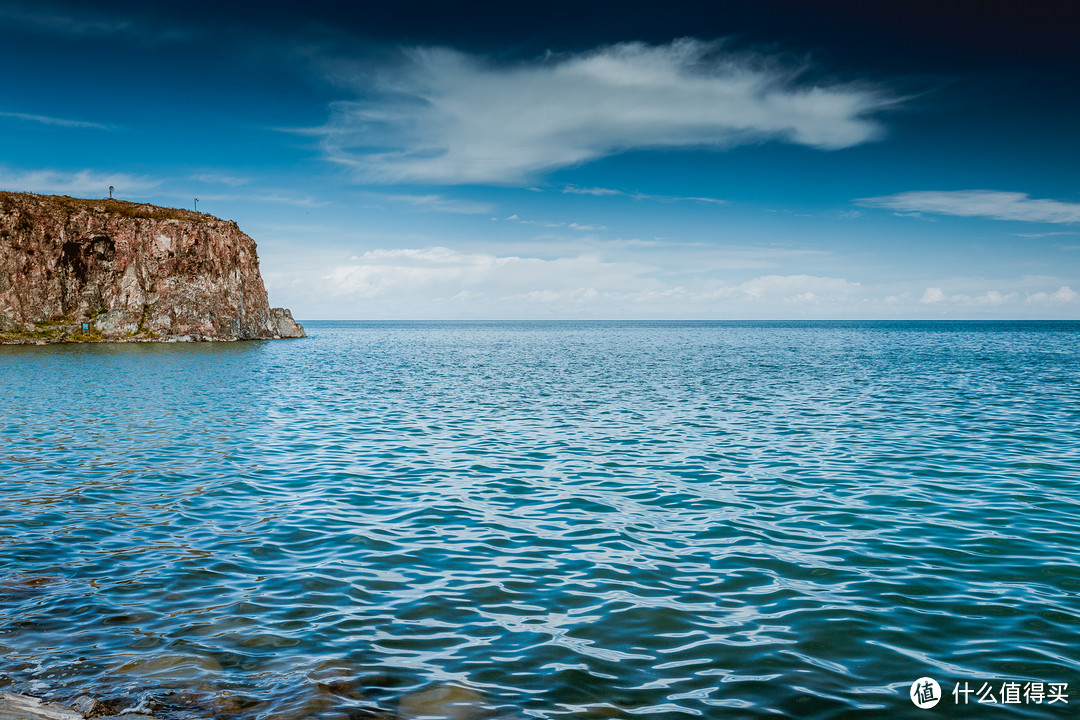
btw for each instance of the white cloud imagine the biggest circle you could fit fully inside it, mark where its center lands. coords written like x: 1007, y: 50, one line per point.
x: 583, y: 227
x: 83, y: 182
x: 597, y: 191
x: 440, y: 203
x: 601, y: 192
x: 434, y: 274
x: 217, y: 178
x: 285, y: 199
x: 448, y: 117
x: 979, y: 203
x: 435, y: 282
x: 579, y: 277
x: 1064, y: 295
x: 933, y: 295
x: 799, y: 290
x: 1046, y: 234
x: 995, y: 299
x: 58, y: 122
x: 270, y: 196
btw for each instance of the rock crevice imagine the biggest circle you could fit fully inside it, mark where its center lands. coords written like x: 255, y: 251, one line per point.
x: 109, y: 270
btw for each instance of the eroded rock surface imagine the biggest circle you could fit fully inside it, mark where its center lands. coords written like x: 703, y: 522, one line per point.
x: 129, y: 272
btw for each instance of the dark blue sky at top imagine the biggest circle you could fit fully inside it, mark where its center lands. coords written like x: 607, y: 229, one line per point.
x: 224, y: 101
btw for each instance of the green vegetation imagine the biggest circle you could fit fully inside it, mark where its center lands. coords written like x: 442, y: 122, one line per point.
x: 13, y: 200
x: 56, y: 330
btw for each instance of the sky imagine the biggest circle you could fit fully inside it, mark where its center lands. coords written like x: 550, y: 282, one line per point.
x: 580, y: 160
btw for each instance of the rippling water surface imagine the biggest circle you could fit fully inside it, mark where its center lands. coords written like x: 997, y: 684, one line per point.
x: 546, y: 520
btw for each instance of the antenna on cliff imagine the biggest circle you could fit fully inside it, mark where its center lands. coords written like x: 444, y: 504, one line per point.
x: 196, y: 204
x: 111, y: 188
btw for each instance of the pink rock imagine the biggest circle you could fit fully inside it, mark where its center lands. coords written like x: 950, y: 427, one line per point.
x: 130, y: 272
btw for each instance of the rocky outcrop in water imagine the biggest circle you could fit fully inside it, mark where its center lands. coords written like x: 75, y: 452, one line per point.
x: 25, y: 707
x: 109, y: 270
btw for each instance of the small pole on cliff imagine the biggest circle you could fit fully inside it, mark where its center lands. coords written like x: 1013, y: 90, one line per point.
x: 196, y: 204
x: 111, y: 188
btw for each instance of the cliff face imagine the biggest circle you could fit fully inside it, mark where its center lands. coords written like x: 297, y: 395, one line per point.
x: 129, y: 272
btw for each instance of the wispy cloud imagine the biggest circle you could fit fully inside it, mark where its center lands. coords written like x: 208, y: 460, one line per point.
x: 448, y: 117
x: 271, y: 197
x: 83, y: 20
x: 1046, y: 234
x: 59, y: 122
x: 82, y: 182
x: 610, y: 192
x: 439, y: 203
x: 596, y: 191
x: 47, y: 17
x: 283, y: 199
x: 994, y: 204
x: 548, y: 224
x: 217, y: 178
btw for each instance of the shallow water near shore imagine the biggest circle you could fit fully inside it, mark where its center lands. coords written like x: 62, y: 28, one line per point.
x: 546, y: 520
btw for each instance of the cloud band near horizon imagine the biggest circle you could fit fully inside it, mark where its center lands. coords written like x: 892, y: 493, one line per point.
x: 994, y: 204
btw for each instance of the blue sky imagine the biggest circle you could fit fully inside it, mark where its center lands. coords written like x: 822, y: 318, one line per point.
x: 581, y: 160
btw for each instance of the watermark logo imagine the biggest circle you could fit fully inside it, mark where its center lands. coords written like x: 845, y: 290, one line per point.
x: 925, y: 693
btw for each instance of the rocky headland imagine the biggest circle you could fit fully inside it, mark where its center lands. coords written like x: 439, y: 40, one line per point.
x: 74, y: 270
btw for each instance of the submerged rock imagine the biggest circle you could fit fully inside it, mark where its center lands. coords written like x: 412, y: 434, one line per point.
x: 25, y: 707
x: 109, y: 270
x: 442, y: 702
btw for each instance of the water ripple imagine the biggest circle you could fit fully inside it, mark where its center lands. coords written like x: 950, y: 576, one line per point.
x: 544, y: 520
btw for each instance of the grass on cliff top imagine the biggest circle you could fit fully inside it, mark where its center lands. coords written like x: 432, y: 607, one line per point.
x: 13, y: 200
x: 52, y: 331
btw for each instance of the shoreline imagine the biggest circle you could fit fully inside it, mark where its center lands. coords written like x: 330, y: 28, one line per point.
x: 172, y: 339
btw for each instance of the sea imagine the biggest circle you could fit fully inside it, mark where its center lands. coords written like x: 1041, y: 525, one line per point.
x: 513, y: 520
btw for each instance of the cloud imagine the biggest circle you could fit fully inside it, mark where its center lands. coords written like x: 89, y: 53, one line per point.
x: 440, y: 203
x: 1046, y: 234
x: 270, y: 197
x: 590, y: 278
x: 993, y: 204
x: 607, y: 192
x: 937, y: 297
x: 933, y: 295
x: 51, y: 18
x: 59, y: 122
x: 583, y: 227
x: 799, y: 290
x: 436, y: 281
x: 83, y: 182
x: 1064, y: 295
x: 284, y: 199
x: 440, y: 272
x: 446, y: 117
x: 216, y: 178
x: 597, y: 191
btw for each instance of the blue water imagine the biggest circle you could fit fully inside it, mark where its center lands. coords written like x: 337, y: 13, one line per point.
x: 546, y: 520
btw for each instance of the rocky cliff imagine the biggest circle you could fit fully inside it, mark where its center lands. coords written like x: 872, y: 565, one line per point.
x: 110, y: 270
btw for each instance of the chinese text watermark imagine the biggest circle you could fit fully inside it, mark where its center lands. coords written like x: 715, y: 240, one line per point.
x: 926, y: 693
